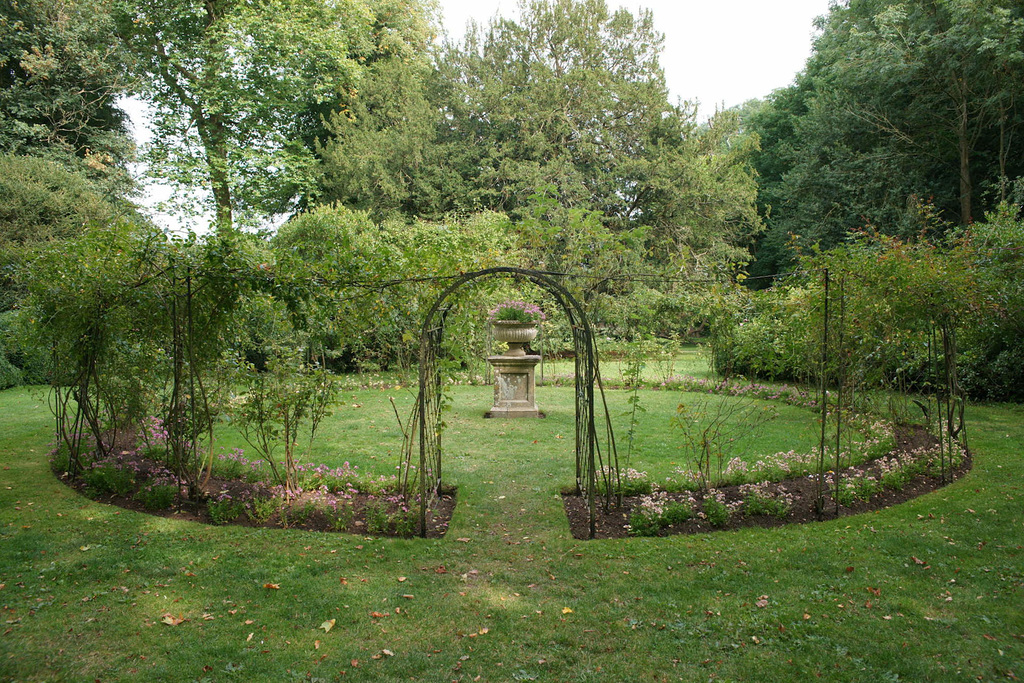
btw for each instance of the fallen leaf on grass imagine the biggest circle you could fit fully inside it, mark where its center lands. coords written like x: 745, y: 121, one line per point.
x: 377, y: 615
x: 566, y: 610
x: 762, y: 601
x: 171, y: 620
x: 327, y: 625
x: 208, y: 617
x: 316, y: 644
x: 401, y: 579
x: 249, y: 637
x: 272, y: 586
x: 462, y: 540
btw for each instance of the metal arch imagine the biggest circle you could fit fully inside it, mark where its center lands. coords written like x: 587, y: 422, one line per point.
x: 590, y: 457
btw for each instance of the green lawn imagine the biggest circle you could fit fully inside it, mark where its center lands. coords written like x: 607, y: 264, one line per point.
x: 930, y: 590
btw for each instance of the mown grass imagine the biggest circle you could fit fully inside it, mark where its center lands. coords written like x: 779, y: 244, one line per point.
x: 508, y: 595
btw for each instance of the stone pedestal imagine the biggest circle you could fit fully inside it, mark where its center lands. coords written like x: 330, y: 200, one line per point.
x: 515, y: 386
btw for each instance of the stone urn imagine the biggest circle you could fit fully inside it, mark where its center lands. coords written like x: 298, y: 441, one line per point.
x: 514, y: 333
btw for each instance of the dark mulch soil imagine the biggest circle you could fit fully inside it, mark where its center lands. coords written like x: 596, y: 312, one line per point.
x: 613, y: 523
x: 438, y: 516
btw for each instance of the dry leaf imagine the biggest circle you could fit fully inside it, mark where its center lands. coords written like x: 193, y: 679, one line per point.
x: 344, y: 581
x: 387, y: 653
x: 208, y: 617
x: 274, y: 586
x: 484, y: 630
x: 172, y: 620
x: 249, y: 638
x: 377, y: 615
x: 316, y: 644
x: 248, y: 622
x: 355, y: 663
x: 408, y: 597
x: 566, y: 610
x: 462, y: 540
x: 327, y: 625
x: 762, y: 601
x: 401, y: 579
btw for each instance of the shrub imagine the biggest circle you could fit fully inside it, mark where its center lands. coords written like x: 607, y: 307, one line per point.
x: 758, y: 499
x: 340, y: 515
x: 108, y: 478
x: 678, y: 512
x: 715, y: 509
x: 634, y: 483
x: 655, y: 511
x: 157, y: 495
x: 376, y: 513
x: 261, y: 509
x: 225, y: 509
x: 859, y: 487
x: 403, y: 522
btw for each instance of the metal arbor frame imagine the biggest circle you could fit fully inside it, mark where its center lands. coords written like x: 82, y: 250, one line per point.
x: 590, y: 456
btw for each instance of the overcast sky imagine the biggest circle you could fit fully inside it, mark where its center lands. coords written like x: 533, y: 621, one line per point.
x: 716, y: 51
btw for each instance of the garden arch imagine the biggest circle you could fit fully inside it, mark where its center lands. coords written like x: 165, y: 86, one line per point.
x: 591, y: 454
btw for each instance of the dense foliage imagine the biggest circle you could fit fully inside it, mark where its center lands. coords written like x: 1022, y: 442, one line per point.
x: 61, y: 71
x: 906, y: 111
x: 240, y: 89
x: 569, y: 101
x: 390, y: 162
x: 892, y: 302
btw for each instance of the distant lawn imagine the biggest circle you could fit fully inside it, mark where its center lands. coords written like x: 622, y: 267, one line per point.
x: 929, y: 590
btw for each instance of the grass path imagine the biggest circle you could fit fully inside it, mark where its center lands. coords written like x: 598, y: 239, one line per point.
x: 83, y: 586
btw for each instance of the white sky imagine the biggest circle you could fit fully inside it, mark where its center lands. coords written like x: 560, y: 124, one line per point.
x: 716, y: 51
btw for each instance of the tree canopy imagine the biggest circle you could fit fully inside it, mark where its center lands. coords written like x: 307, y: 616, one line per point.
x: 239, y: 88
x: 61, y: 72
x: 906, y: 111
x: 569, y: 100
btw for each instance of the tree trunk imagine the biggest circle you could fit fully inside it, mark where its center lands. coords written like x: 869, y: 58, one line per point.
x: 211, y: 132
x: 964, y: 148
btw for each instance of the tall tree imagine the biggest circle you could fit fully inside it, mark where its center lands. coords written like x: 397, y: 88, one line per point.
x: 567, y: 101
x: 61, y: 72
x: 240, y: 87
x: 907, y: 117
